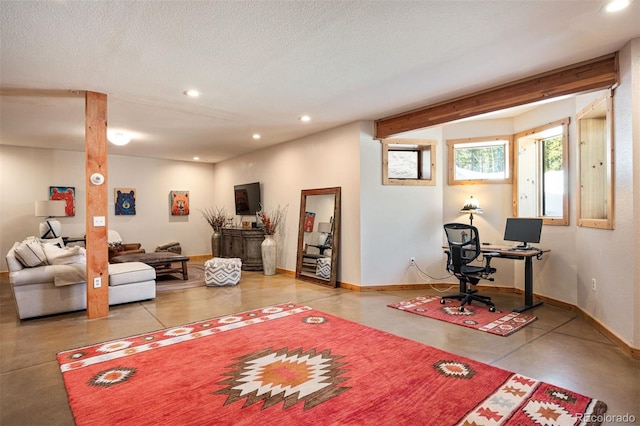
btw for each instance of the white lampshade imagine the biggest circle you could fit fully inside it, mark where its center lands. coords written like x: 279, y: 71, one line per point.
x: 50, y: 228
x: 324, y: 227
x: 50, y: 208
x: 471, y: 205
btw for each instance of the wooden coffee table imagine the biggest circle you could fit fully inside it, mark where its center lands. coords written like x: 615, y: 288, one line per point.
x: 161, y: 262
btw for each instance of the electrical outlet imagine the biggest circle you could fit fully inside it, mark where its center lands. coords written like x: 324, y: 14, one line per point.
x: 97, y: 282
x: 412, y: 260
x: 98, y: 221
x: 593, y: 284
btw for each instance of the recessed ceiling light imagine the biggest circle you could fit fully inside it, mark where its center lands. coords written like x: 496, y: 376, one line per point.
x: 118, y: 138
x: 616, y: 5
x: 196, y: 158
x: 256, y: 136
x: 191, y: 93
x: 305, y: 118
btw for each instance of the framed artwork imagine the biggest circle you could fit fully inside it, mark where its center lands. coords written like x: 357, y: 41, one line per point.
x: 179, y: 203
x: 309, y: 218
x: 66, y: 193
x: 124, y: 201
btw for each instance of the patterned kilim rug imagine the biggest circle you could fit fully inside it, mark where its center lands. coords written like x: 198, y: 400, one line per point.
x: 292, y: 365
x: 474, y: 316
x: 175, y: 282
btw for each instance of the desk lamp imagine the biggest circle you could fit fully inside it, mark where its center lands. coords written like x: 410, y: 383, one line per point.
x: 471, y: 206
x: 50, y: 209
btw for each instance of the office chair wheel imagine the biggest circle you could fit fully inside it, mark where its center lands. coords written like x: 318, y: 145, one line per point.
x: 442, y: 301
x: 492, y: 308
x: 461, y: 308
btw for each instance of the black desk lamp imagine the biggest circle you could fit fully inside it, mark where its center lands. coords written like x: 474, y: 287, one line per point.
x: 471, y: 206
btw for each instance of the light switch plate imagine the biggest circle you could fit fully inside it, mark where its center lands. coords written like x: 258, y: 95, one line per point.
x: 99, y: 221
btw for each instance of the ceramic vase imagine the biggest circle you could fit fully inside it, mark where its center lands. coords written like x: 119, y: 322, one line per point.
x: 216, y: 243
x: 269, y: 255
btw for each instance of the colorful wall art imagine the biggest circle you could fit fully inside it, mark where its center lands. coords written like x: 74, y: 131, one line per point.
x: 309, y: 218
x: 179, y: 203
x: 124, y: 201
x: 66, y: 193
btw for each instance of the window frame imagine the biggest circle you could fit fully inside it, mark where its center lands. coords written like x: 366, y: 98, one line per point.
x: 602, y: 106
x: 422, y: 146
x: 531, y: 133
x: 480, y: 142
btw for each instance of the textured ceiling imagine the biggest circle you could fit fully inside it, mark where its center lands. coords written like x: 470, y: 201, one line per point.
x: 262, y: 64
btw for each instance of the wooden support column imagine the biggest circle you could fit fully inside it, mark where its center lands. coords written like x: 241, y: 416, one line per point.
x: 96, y: 204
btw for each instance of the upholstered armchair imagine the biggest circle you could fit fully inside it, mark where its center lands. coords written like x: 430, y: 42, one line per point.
x: 119, y: 248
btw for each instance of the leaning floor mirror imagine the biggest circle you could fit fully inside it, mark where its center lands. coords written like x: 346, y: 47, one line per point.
x: 319, y: 236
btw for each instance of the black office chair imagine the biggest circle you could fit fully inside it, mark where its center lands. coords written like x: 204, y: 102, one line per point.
x: 464, y: 248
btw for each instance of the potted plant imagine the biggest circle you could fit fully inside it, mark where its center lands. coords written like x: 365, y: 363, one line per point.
x: 271, y: 221
x: 216, y: 218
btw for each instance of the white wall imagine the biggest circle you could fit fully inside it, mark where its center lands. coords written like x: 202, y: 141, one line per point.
x: 611, y: 256
x: 555, y: 276
x: 495, y: 199
x: 398, y: 222
x: 27, y: 173
x: 323, y: 160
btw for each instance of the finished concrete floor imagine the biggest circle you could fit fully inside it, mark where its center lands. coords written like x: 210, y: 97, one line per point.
x: 560, y: 347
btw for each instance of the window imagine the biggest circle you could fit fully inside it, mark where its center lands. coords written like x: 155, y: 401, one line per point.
x: 479, y: 160
x: 595, y: 137
x: 408, y: 162
x: 541, y: 170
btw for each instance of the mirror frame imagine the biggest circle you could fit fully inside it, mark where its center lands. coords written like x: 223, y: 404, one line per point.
x: 333, y: 279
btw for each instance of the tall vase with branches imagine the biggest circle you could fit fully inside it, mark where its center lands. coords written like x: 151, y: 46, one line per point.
x: 271, y: 221
x: 216, y: 218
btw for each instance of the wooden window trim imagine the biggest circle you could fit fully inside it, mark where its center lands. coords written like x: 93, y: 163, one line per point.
x: 563, y: 221
x: 451, y: 143
x: 609, y: 222
x: 429, y: 145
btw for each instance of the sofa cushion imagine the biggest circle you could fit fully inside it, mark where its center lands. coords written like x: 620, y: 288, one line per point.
x: 130, y: 272
x: 30, y: 253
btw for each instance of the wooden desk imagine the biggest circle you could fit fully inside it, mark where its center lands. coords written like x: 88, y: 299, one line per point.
x: 527, y: 256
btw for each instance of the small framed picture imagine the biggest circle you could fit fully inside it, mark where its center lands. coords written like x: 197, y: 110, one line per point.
x: 124, y: 201
x: 66, y: 193
x: 179, y: 201
x: 309, y: 219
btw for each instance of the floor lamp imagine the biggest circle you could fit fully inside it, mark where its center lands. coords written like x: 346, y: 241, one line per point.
x: 50, y: 227
x: 471, y: 206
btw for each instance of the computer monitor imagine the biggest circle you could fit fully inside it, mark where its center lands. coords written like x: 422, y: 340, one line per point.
x: 524, y: 230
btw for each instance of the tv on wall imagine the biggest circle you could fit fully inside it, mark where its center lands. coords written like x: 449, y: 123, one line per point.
x: 247, y: 198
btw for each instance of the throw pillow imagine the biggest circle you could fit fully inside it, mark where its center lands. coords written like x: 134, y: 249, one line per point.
x: 64, y: 256
x: 57, y: 241
x: 30, y: 253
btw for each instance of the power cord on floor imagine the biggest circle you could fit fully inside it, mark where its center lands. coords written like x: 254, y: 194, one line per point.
x: 424, y: 274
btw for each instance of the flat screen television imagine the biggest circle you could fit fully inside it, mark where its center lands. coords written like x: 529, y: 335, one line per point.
x: 247, y: 198
x: 524, y: 230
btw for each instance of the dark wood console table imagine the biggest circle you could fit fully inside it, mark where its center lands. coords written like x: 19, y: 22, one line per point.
x: 244, y: 243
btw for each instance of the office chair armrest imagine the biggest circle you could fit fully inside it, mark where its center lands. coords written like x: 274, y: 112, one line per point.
x: 488, y: 257
x: 448, y: 253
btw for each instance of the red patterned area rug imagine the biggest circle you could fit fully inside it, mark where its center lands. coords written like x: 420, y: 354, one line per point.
x: 292, y: 365
x: 477, y: 317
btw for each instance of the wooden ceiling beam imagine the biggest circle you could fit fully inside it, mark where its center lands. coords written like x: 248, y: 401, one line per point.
x: 596, y: 74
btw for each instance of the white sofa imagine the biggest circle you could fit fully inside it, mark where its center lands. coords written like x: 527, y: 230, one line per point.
x: 36, y: 293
